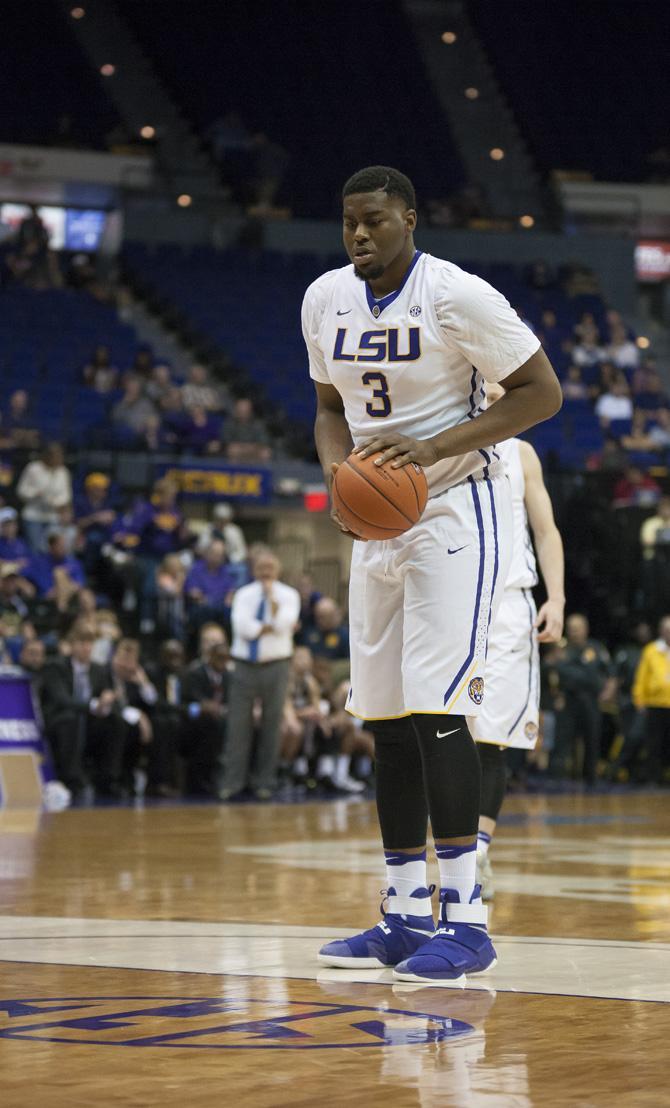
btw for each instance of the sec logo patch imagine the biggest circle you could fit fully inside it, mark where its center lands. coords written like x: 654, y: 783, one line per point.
x: 530, y: 731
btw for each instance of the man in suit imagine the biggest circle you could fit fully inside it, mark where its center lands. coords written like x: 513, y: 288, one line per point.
x: 169, y: 719
x: 136, y: 697
x: 78, y: 704
x: 206, y: 696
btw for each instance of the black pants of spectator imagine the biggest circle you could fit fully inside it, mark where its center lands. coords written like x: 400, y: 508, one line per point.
x: 580, y: 719
x: 163, y: 752
x: 633, y: 727
x: 106, y: 739
x: 657, y: 742
x: 202, y: 745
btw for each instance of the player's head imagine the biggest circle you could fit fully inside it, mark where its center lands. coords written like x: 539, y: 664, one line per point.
x: 379, y: 213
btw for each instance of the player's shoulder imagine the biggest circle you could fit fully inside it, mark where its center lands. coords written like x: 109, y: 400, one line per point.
x: 457, y: 290
x: 320, y: 290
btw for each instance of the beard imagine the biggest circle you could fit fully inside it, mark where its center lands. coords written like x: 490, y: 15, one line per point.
x: 371, y: 274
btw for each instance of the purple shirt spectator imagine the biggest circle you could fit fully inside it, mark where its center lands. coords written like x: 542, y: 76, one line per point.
x: 41, y: 571
x: 210, y: 580
x: 155, y: 528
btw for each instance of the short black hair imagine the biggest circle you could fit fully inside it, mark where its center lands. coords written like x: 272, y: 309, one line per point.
x: 373, y: 177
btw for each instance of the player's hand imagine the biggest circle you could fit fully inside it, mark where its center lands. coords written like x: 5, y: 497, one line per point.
x: 400, y: 447
x: 549, y: 622
x: 339, y: 523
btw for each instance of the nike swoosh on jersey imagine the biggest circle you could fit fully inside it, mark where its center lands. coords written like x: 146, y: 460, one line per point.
x: 344, y: 313
x: 444, y: 734
x: 458, y: 548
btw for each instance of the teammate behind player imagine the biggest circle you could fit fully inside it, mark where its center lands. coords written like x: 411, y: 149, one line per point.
x: 510, y: 713
x: 400, y: 345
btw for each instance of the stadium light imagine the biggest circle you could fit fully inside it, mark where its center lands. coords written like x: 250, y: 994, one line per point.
x: 184, y: 200
x: 147, y: 132
x: 643, y: 342
x: 449, y: 37
x: 108, y: 70
x: 496, y: 155
x: 472, y: 93
x: 526, y: 221
x: 78, y: 13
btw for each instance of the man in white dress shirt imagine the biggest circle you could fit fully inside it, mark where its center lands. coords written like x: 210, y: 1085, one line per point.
x: 264, y: 617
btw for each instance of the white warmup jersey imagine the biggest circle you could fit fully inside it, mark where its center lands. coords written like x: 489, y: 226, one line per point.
x: 510, y: 714
x: 416, y: 362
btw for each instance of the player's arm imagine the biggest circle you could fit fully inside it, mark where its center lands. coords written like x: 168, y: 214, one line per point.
x: 548, y: 544
x: 333, y: 439
x: 532, y: 394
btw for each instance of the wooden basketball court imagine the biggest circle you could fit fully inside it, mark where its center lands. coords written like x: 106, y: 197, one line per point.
x: 166, y: 956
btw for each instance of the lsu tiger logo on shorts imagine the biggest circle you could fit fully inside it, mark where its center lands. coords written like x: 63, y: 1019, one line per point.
x: 530, y: 731
x: 476, y: 689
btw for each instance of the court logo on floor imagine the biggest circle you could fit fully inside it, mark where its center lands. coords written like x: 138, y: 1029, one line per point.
x: 213, y: 1023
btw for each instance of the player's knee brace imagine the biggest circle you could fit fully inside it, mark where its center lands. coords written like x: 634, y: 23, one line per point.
x: 451, y: 774
x: 401, y: 800
x: 494, y: 779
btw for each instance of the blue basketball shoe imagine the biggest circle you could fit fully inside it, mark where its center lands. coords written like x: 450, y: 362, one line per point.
x: 397, y: 935
x: 460, y: 946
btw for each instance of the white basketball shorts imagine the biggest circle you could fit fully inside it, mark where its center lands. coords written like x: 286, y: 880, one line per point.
x: 420, y: 605
x: 510, y: 714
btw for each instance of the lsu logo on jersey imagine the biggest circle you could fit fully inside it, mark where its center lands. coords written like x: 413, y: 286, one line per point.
x: 476, y: 690
x: 384, y: 345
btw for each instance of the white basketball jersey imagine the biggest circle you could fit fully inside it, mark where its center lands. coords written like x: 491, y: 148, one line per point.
x: 523, y: 568
x: 414, y: 361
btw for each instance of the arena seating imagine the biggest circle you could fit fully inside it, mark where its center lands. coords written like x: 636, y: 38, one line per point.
x: 220, y: 291
x: 374, y: 104
x: 45, y: 77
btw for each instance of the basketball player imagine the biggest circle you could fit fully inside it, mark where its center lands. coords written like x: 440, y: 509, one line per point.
x: 400, y: 345
x: 511, y: 708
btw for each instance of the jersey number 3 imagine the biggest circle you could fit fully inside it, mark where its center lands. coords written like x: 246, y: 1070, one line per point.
x: 380, y: 405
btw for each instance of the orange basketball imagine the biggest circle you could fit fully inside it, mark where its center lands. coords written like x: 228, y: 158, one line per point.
x: 378, y: 502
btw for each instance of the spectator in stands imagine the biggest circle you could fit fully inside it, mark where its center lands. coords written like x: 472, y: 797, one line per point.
x: 615, y: 404
x: 199, y: 432
x: 612, y: 458
x: 12, y: 548
x: 56, y: 575
x: 573, y: 384
x: 588, y: 351
x: 132, y: 412
x: 135, y: 698
x: 33, y: 263
x: 587, y: 680
x: 210, y: 586
x: 626, y: 662
x: 638, y: 440
x: 651, y: 692
x: 45, y: 487
x: 169, y: 720
x: 621, y: 350
x: 153, y: 529
x: 171, y: 410
x: 264, y: 617
x: 199, y: 392
x: 156, y: 437
x: 244, y: 437
x: 636, y: 489
x: 159, y: 384
x: 654, y: 396
x: 540, y: 275
x: 655, y: 531
x: 329, y: 636
x: 99, y: 374
x: 269, y: 163
x: 223, y: 527
x: 78, y: 702
x: 171, y: 602
x: 305, y: 718
x: 143, y: 364
x: 206, y: 693
x: 16, y: 596
x: 95, y: 516
x: 20, y: 426
x: 309, y: 598
x: 659, y: 432
x: 211, y: 635
x: 32, y: 658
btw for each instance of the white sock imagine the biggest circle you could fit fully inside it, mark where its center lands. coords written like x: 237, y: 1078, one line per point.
x: 300, y: 767
x: 457, y: 866
x: 325, y: 766
x: 483, y: 843
x: 406, y: 873
x: 342, y: 764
